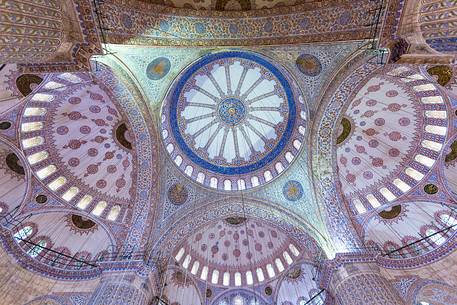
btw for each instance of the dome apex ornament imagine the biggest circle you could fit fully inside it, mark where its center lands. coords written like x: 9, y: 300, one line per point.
x: 231, y: 121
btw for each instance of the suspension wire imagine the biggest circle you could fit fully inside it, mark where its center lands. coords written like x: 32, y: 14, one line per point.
x: 422, y: 239
x: 253, y: 255
x: 165, y: 275
x: 206, y: 280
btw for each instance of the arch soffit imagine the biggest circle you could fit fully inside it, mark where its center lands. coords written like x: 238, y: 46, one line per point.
x: 98, y: 221
x: 193, y: 281
x: 323, y: 152
x: 297, y: 264
x: 147, y: 138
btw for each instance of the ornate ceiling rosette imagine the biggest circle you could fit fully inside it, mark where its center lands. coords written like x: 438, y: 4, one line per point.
x: 233, y: 121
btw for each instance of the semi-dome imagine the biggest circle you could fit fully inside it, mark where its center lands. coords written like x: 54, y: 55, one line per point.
x: 390, y: 137
x: 237, y: 252
x: 77, y: 142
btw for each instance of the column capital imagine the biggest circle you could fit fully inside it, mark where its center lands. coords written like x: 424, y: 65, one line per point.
x: 355, y: 279
x: 127, y: 283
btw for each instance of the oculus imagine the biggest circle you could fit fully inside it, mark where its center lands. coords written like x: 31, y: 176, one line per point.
x: 392, y: 213
x: 13, y: 163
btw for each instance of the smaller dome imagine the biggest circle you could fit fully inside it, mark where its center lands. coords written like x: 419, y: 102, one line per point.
x: 237, y: 252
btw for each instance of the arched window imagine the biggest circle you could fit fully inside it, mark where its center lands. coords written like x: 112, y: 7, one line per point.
x: 58, y: 259
x: 434, y: 237
x: 114, y: 213
x: 23, y: 233
x: 414, y: 248
x: 448, y: 220
x: 37, y: 249
x: 317, y: 297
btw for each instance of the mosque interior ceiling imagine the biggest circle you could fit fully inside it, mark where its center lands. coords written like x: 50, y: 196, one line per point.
x: 239, y: 152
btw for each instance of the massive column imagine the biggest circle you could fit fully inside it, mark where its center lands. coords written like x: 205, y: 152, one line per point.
x: 362, y: 284
x: 126, y: 287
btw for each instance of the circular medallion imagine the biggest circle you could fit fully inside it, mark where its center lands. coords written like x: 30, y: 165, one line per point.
x: 158, y: 68
x: 293, y: 190
x: 177, y: 194
x: 431, y: 189
x: 5, y: 125
x: 230, y: 120
x: 309, y: 65
x: 41, y: 199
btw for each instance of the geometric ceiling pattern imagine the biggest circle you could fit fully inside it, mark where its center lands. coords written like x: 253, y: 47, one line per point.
x: 226, y: 5
x: 87, y: 196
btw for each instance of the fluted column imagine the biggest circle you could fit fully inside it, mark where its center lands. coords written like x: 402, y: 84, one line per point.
x: 123, y: 287
x: 30, y: 30
x: 362, y: 284
x: 48, y: 35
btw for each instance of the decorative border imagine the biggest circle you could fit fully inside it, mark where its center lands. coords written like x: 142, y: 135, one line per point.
x: 162, y: 25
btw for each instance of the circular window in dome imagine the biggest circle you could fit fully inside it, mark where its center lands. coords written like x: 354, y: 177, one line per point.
x: 232, y: 121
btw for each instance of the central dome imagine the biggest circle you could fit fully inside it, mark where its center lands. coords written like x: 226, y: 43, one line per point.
x: 229, y: 117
